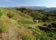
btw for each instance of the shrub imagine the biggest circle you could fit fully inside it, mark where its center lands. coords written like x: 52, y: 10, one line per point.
x: 41, y: 38
x: 50, y: 34
x: 0, y: 13
x: 4, y: 29
x: 10, y: 15
x: 53, y: 24
x: 25, y: 37
x: 49, y: 26
x: 44, y: 24
x: 0, y: 30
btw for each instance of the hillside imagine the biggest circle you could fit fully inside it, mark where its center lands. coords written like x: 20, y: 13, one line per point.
x: 16, y: 25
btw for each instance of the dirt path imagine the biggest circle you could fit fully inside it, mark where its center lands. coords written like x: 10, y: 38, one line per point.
x: 12, y: 33
x: 0, y: 36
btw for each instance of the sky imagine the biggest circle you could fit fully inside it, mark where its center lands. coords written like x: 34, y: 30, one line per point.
x: 18, y: 3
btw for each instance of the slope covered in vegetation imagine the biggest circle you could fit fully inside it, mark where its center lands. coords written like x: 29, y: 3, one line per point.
x: 16, y: 25
x: 46, y: 22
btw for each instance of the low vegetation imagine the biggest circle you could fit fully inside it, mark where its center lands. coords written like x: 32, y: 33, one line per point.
x: 10, y: 15
x: 18, y: 24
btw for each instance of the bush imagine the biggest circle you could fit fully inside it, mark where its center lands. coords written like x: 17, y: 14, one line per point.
x: 51, y: 34
x: 49, y: 26
x: 54, y: 25
x: 0, y: 30
x: 10, y: 15
x: 4, y: 29
x: 25, y: 37
x: 44, y: 24
x: 41, y: 38
x: 0, y: 13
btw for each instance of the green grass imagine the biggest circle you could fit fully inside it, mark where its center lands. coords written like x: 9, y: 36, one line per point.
x: 4, y: 29
x: 25, y: 22
x: 25, y: 37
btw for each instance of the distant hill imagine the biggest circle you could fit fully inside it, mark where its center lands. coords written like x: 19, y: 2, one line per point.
x: 43, y: 8
x: 39, y: 8
x: 50, y: 9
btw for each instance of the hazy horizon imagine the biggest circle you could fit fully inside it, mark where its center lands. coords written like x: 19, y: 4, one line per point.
x: 20, y: 3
